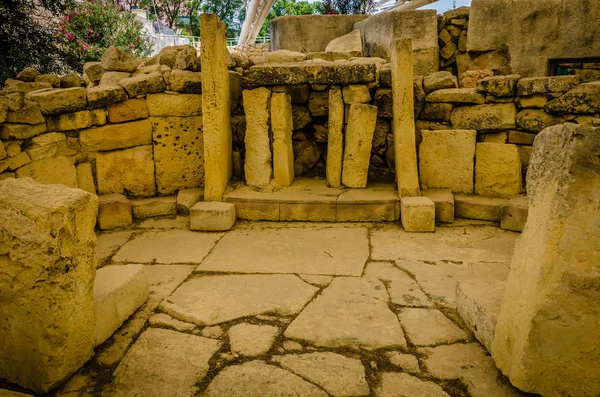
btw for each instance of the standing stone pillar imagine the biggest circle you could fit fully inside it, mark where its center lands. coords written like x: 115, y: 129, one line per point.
x: 335, y: 138
x: 282, y: 125
x: 47, y: 271
x: 359, y: 140
x: 403, y: 123
x: 547, y: 337
x: 257, y: 163
x: 215, y: 107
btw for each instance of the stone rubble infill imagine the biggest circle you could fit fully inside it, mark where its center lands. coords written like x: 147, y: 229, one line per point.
x: 403, y: 290
x: 338, y: 375
x: 351, y: 312
x: 217, y: 299
x: 252, y: 340
x: 161, y: 363
x: 426, y: 327
x: 403, y: 385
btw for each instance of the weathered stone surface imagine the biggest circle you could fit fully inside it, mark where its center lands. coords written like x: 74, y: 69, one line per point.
x: 18, y: 160
x: 115, y: 59
x: 164, y: 320
x: 201, y: 300
x: 555, y: 258
x: 104, y: 95
x: 118, y: 292
x: 212, y: 216
x: 535, y: 120
x: 282, y: 125
x: 109, y: 242
x: 356, y: 93
x: 185, y: 81
x: 251, y: 340
x: 351, y: 312
x: 456, y: 95
x: 357, y: 151
x: 543, y: 85
x: 534, y: 101
x: 114, y: 211
x: 351, y: 42
x: 50, y: 171
x: 113, y: 78
x: 21, y: 131
x: 129, y: 170
x: 301, y: 116
x: 470, y: 78
x: 499, y: 86
x: 318, y: 103
x: 392, y: 384
x: 12, y: 99
x: 93, y: 70
x: 477, y: 207
x: 306, y: 155
x: 582, y: 99
x: 28, y: 74
x: 70, y: 80
x: 28, y: 113
x: 132, y: 109
x: 446, y: 160
x: 183, y: 362
x: 403, y: 290
x: 186, y: 198
x: 59, y: 100
x: 488, y: 117
x: 438, y: 81
x: 154, y: 206
x: 41, y: 342
x: 116, y: 136
x: 407, y: 362
x: 178, y: 152
x: 257, y: 163
x: 521, y: 138
x: 417, y: 214
x: 426, y: 327
x: 338, y: 375
x: 437, y: 111
x: 497, y: 170
x: 143, y: 84
x: 444, y: 204
x: 174, y: 105
x: 85, y: 178
x: 51, y: 79
x: 284, y: 56
x: 182, y: 57
x: 69, y: 121
x: 256, y: 378
x: 514, y: 214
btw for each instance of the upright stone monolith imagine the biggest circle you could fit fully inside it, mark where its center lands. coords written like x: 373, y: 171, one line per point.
x: 357, y: 149
x: 281, y: 124
x: 215, y: 107
x: 548, y: 333
x: 403, y: 124
x: 335, y: 137
x: 257, y: 162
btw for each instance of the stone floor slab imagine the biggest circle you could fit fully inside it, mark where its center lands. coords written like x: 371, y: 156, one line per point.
x: 407, y: 362
x: 392, y: 384
x: 251, y: 340
x: 163, y: 363
x: 351, y: 312
x: 338, y: 375
x: 216, y: 299
x: 428, y: 327
x: 107, y: 243
x: 403, y: 290
x: 177, y: 222
x: 328, y: 251
x: 169, y: 246
x: 256, y: 378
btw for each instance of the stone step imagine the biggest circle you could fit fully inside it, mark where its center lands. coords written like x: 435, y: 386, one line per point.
x: 119, y: 290
x: 514, y: 214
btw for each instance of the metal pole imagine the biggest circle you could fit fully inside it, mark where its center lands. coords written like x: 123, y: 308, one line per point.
x: 264, y: 11
x: 250, y: 15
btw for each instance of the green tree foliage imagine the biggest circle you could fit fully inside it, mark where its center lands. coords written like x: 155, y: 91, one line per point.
x: 231, y: 12
x: 287, y: 7
x: 328, y: 7
x: 89, y: 28
x: 26, y: 37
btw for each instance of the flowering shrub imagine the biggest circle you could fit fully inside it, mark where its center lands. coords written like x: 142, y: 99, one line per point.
x: 89, y: 28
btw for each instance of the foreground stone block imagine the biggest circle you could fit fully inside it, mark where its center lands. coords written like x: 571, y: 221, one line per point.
x: 514, y: 214
x: 114, y: 211
x: 48, y: 262
x: 447, y: 160
x: 417, y: 214
x: 186, y: 199
x: 128, y: 170
x: 497, y: 170
x: 85, y: 178
x: 257, y: 163
x: 478, y: 207
x: 104, y: 95
x: 283, y: 153
x: 444, y: 204
x: 154, y: 206
x: 118, y: 292
x: 359, y: 139
x: 60, y: 100
x: 547, y: 333
x: 212, y: 216
x: 51, y: 170
x: 116, y: 136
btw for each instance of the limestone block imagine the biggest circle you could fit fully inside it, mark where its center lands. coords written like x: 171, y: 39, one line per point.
x: 16, y: 85
x: 182, y: 57
x: 585, y: 98
x: 50, y: 171
x: 494, y: 137
x: 114, y: 211
x: 143, y: 84
x: 69, y: 121
x: 216, y: 106
x: 85, y: 178
x: 212, y: 216
x: 47, y: 251
x: 299, y: 93
x: 446, y: 160
x: 533, y: 101
x: 104, y: 95
x: 318, y: 103
x: 351, y: 42
x: 186, y: 199
x: 51, y: 79
x: 128, y: 170
x: 499, y: 86
x: 3, y: 153
x: 417, y: 214
x: 535, y: 120
x: 28, y: 113
x: 118, y: 60
x: 185, y: 81
x: 543, y: 85
x: 119, y: 290
x: 456, y: 95
x: 444, y: 204
x: 257, y: 164
x: 132, y: 109
x: 357, y: 150
x: 281, y: 124
x: 70, y: 80
x: 335, y: 139
x: 93, y: 70
x: 438, y: 81
x: 19, y: 160
x: 14, y: 100
x: 178, y: 152
x: 547, y: 332
x: 437, y: 111
x: 488, y: 117
x: 177, y: 105
x: 116, y: 136
x: 301, y: 116
x: 236, y: 86
x: 478, y: 207
x: 154, y: 206
x: 470, y: 78
x: 21, y: 131
x: 356, y: 93
x: 60, y: 100
x: 520, y: 138
x: 514, y: 214
x: 28, y: 74
x: 385, y: 103
x: 497, y: 170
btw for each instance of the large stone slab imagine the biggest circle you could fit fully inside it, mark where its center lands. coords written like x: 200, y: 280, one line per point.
x: 170, y: 246
x: 116, y: 136
x: 488, y: 117
x: 351, y: 312
x: 256, y: 378
x: 48, y: 264
x: 251, y: 340
x: 59, y: 100
x: 281, y: 124
x: 335, y: 138
x: 392, y: 384
x: 182, y: 358
x: 581, y: 99
x: 547, y: 333
x: 217, y: 299
x: 402, y: 288
x: 50, y: 170
x: 257, y: 162
x: 447, y: 160
x: 426, y: 327
x: 126, y: 171
x: 357, y: 150
x: 497, y: 170
x: 334, y: 251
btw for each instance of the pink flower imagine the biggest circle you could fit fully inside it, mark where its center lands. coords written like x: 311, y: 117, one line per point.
x: 70, y: 36
x: 85, y: 46
x: 62, y: 27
